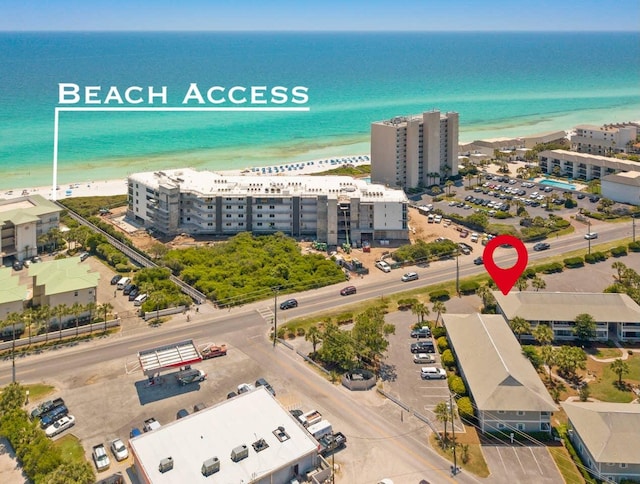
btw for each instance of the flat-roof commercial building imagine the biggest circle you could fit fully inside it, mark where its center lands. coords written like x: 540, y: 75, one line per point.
x: 412, y: 151
x: 622, y: 187
x: 604, y: 140
x: 22, y: 221
x: 582, y: 166
x: 327, y: 208
x: 611, y: 311
x: 507, y: 391
x: 249, y: 438
x: 607, y: 438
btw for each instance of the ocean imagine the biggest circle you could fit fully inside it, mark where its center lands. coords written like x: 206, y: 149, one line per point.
x: 502, y: 84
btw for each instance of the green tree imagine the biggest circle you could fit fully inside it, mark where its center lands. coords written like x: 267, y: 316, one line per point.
x: 61, y: 310
x: 70, y: 473
x: 548, y: 355
x: 585, y: 327
x: 105, y: 309
x: 619, y: 367
x: 313, y: 334
x: 439, y: 308
x: 522, y: 283
x: 158, y: 250
x: 569, y: 359
x: 520, y: 326
x: 421, y: 310
x: 448, y: 184
x: 338, y: 347
x: 485, y: 293
x: 370, y: 334
x: 538, y: 283
x: 443, y: 414
x: 77, y: 309
x: 543, y: 334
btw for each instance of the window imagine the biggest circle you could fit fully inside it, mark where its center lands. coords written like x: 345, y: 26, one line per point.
x: 259, y: 224
x: 500, y: 426
x: 272, y: 207
x: 520, y: 426
x: 75, y: 293
x: 501, y: 412
x: 623, y: 465
x: 228, y: 207
x: 520, y: 413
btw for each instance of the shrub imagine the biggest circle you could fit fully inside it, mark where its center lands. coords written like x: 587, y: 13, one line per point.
x: 570, y: 203
x: 532, y: 355
x: 465, y: 409
x: 300, y: 331
x: 634, y: 246
x: 595, y: 257
x: 550, y: 268
x: 619, y: 251
x: 469, y: 287
x: 440, y: 295
x: 457, y: 386
x: 529, y: 273
x: 574, y: 262
x: 443, y: 344
x: 438, y: 332
x: 448, y: 360
x: 501, y: 215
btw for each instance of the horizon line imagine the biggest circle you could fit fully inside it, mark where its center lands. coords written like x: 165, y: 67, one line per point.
x: 299, y: 31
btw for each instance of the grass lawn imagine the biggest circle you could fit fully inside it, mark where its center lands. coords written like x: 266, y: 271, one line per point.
x: 604, y: 387
x: 475, y: 463
x: 38, y: 391
x: 70, y: 448
x: 605, y: 352
x: 566, y: 466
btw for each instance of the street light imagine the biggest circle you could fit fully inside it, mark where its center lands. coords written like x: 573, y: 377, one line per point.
x: 589, y: 235
x: 275, y: 314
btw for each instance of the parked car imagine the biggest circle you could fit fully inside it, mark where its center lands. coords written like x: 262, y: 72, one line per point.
x: 134, y: 293
x: 348, y: 290
x: 591, y: 235
x: 432, y: 373
x: 410, y: 276
x: 423, y: 347
x: 52, y: 415
x: 128, y: 288
x: 182, y: 413
x: 383, y: 266
x: 100, y: 457
x: 134, y: 432
x: 244, y: 388
x: 541, y: 246
x: 424, y: 332
x: 84, y: 256
x: 423, y: 358
x: 17, y: 265
x: 288, y: 304
x: 261, y: 382
x: 115, y: 279
x: 60, y: 425
x: 44, y: 407
x: 119, y: 450
x: 213, y: 350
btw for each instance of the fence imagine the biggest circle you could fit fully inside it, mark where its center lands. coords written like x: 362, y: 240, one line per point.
x: 162, y: 312
x: 359, y: 380
x: 65, y: 333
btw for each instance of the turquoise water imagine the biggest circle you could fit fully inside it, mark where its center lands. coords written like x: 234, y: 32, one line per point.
x: 502, y: 84
x: 557, y: 184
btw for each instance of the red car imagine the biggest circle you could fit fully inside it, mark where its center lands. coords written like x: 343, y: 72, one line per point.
x: 211, y: 351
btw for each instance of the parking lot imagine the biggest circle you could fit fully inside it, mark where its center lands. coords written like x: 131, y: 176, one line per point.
x: 520, y: 463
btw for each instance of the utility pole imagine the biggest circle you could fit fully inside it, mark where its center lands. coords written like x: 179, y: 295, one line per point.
x: 589, y: 235
x: 13, y: 353
x: 633, y: 227
x: 457, y: 272
x: 454, y: 469
x: 275, y: 314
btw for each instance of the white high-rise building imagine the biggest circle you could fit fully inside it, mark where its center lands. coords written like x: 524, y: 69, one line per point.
x: 420, y: 150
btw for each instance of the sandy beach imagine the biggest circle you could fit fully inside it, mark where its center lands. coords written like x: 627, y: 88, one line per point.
x: 119, y: 186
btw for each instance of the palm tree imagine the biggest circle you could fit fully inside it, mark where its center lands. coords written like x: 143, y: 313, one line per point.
x: 619, y: 367
x: 520, y: 326
x: 43, y: 317
x: 91, y: 307
x: 448, y: 184
x: 543, y: 334
x: 439, y: 308
x: 420, y: 310
x: 314, y: 335
x: 548, y: 354
x: 620, y: 268
x: 484, y: 293
x: 522, y: 283
x: 61, y: 310
x: 538, y: 283
x: 469, y: 177
x: 443, y: 414
x: 106, y: 309
x: 77, y: 309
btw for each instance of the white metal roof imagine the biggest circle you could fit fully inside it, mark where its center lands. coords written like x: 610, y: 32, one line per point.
x: 169, y: 356
x: 215, y: 432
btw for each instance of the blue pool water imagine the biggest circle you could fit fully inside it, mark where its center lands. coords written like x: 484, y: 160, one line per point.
x: 557, y: 184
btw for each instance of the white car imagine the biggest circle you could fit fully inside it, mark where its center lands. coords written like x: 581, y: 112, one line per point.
x: 432, y: 373
x: 474, y: 237
x: 245, y: 387
x: 60, y: 425
x: 410, y: 276
x: 591, y: 235
x: 119, y: 450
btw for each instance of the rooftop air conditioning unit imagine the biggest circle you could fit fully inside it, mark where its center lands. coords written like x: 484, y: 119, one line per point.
x: 166, y: 464
x: 239, y: 453
x: 210, y: 466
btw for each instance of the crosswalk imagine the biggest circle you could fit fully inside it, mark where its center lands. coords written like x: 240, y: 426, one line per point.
x: 266, y: 313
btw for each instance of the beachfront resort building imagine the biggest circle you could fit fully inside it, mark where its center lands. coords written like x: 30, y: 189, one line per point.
x: 604, y: 140
x: 331, y: 209
x: 248, y: 438
x: 412, y: 151
x: 582, y: 166
x: 607, y: 438
x: 507, y: 391
x: 623, y: 187
x: 612, y: 312
x: 22, y: 221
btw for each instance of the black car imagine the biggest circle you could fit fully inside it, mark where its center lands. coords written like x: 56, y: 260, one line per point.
x: 134, y: 294
x: 18, y: 265
x: 115, y: 279
x: 288, y: 304
x: 423, y: 347
x: 53, y: 415
x: 128, y: 288
x: 541, y: 246
x: 348, y: 290
x: 261, y: 382
x: 478, y: 261
x: 580, y: 196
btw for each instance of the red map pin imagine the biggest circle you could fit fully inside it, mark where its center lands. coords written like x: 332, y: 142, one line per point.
x: 505, y: 278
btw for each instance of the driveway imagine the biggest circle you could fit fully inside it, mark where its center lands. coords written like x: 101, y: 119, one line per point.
x: 520, y: 463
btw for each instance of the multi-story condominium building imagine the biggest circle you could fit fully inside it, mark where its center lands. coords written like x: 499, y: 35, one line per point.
x: 414, y: 151
x: 331, y: 209
x: 604, y: 140
x: 613, y: 313
x: 582, y: 166
x: 622, y: 187
x: 22, y: 221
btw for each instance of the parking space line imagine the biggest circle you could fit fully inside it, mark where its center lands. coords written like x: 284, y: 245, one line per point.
x: 536, y: 460
x: 501, y: 459
x: 519, y: 461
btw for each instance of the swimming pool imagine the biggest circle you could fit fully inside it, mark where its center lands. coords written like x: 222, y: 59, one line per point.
x: 557, y: 184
